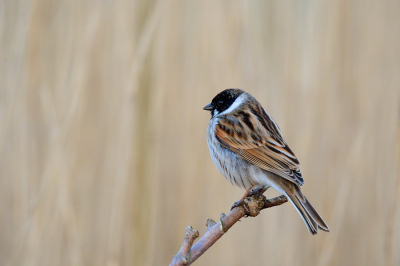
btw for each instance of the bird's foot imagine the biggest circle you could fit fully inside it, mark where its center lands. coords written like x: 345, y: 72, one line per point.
x: 255, y: 195
x: 258, y: 192
x: 241, y: 203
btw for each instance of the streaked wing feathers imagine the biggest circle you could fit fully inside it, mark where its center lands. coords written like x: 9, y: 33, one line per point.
x: 259, y: 141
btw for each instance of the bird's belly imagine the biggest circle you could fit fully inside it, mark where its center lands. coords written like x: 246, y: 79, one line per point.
x: 234, y: 168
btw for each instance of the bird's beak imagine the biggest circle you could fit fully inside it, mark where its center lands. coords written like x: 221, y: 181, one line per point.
x: 208, y: 107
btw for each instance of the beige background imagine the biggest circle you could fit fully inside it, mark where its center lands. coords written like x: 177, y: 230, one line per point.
x: 103, y: 156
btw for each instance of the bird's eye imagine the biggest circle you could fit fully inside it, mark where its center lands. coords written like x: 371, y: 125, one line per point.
x: 219, y: 103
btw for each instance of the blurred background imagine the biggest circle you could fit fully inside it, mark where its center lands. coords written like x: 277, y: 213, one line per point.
x: 103, y: 154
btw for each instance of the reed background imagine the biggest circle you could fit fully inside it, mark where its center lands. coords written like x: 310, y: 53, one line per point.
x: 103, y: 155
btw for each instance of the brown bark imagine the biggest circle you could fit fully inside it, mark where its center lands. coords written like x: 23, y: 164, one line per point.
x: 189, y: 252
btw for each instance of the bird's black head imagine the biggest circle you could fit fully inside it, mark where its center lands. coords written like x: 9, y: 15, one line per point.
x: 223, y: 101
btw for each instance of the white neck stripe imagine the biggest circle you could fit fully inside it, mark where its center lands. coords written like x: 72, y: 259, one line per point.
x: 239, y: 100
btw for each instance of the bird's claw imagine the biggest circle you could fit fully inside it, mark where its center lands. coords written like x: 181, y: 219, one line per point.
x: 258, y: 192
x: 243, y: 204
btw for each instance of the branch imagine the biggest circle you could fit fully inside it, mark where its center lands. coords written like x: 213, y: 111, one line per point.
x: 189, y: 252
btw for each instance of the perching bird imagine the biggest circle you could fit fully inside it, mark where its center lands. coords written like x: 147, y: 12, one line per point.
x: 248, y: 148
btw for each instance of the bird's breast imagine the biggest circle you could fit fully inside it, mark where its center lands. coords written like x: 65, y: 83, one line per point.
x: 234, y: 168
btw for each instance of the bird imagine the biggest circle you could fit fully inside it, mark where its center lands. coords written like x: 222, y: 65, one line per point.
x: 247, y: 147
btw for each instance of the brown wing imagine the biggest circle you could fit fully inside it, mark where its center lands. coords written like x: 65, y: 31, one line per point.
x: 259, y: 141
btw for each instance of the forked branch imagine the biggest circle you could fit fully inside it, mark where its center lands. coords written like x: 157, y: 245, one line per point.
x: 189, y: 252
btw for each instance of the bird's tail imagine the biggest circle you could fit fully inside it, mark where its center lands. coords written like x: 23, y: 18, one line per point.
x: 307, y: 212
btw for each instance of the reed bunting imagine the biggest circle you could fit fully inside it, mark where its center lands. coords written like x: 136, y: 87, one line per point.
x: 248, y: 148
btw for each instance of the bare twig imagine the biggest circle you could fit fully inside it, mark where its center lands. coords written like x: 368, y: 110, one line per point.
x: 189, y: 252
x: 183, y: 256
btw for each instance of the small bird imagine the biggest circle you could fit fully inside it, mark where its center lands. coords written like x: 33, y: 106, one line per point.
x: 248, y: 148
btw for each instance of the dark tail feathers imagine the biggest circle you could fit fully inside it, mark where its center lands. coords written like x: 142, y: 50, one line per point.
x: 310, y: 216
